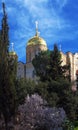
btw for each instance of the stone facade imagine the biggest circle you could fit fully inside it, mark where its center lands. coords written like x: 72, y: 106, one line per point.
x: 73, y: 60
x: 21, y: 70
x: 27, y: 70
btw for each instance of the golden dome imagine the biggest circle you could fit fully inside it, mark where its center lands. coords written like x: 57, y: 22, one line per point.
x: 12, y: 53
x: 36, y: 40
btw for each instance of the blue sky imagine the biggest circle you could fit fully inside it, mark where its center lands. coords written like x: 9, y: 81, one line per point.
x: 58, y: 23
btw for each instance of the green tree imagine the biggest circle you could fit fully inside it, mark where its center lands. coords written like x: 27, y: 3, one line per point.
x: 24, y: 87
x: 12, y: 61
x: 55, y: 84
x: 56, y: 69
x: 41, y: 64
x: 59, y: 94
x: 48, y: 65
x: 7, y: 90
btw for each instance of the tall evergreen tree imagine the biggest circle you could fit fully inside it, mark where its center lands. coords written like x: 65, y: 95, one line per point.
x: 56, y: 69
x: 41, y: 64
x: 7, y: 91
x: 48, y: 65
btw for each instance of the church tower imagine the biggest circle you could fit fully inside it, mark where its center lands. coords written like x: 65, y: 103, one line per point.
x: 12, y: 53
x: 34, y: 46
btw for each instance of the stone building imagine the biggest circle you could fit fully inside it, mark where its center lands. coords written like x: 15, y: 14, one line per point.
x: 21, y: 70
x: 34, y: 46
x: 73, y: 60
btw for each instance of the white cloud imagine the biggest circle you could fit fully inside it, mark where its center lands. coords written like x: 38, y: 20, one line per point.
x: 23, y: 14
x: 47, y: 17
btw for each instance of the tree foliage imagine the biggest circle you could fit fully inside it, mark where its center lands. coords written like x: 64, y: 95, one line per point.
x: 48, y: 65
x: 7, y: 90
x: 24, y: 87
x: 34, y: 115
x: 55, y: 84
x: 41, y: 64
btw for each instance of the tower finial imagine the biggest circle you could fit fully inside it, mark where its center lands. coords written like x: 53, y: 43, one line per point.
x: 36, y: 28
x: 3, y: 4
x: 12, y: 46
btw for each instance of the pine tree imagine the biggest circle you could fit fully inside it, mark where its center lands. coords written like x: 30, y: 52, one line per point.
x: 41, y: 64
x: 48, y: 65
x: 7, y: 91
x: 56, y: 69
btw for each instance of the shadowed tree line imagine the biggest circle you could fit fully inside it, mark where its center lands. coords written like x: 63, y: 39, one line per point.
x: 55, y: 85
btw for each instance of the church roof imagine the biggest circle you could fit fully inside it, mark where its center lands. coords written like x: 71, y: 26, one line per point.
x: 12, y: 53
x: 36, y: 40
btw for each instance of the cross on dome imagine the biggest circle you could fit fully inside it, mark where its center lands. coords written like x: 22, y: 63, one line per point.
x: 12, y: 46
x: 37, y: 33
x: 36, y: 24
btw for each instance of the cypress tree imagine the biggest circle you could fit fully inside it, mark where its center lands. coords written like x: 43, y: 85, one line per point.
x: 56, y: 70
x: 55, y: 64
x: 7, y: 91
